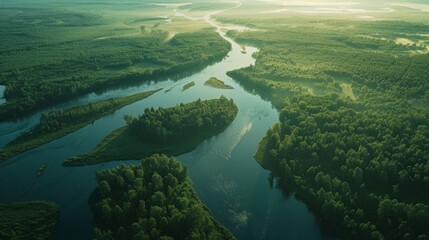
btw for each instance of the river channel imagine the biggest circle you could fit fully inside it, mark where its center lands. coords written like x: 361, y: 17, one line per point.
x: 225, y: 175
x: 2, y: 100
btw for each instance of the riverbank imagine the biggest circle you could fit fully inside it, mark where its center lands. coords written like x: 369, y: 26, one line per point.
x: 225, y: 176
x: 92, y: 61
x: 158, y: 183
x: 58, y: 123
x: 162, y: 131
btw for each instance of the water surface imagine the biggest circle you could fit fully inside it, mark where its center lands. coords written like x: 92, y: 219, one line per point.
x: 2, y: 100
x: 222, y: 168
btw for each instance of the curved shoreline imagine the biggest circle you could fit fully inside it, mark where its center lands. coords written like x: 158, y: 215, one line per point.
x: 226, y: 177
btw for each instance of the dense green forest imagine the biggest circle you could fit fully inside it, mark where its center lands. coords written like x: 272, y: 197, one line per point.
x: 55, y: 54
x: 365, y: 171
x: 153, y: 200
x: 350, y: 81
x: 58, y: 123
x: 29, y: 221
x: 170, y: 125
x: 350, y: 142
x: 172, y: 131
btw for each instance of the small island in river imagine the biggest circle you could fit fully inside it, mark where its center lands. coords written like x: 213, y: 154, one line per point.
x: 216, y: 83
x: 40, y: 170
x: 58, y: 123
x: 188, y: 85
x: 171, y: 131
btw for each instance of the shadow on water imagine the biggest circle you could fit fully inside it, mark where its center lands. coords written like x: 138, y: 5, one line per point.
x: 174, y: 76
x: 325, y: 228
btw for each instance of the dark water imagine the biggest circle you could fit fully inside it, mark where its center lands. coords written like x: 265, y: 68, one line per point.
x: 2, y: 100
x: 224, y: 173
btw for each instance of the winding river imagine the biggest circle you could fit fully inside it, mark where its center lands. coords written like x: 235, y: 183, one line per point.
x: 224, y: 173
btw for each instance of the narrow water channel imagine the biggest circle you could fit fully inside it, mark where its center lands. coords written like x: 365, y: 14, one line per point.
x: 2, y: 100
x: 224, y: 173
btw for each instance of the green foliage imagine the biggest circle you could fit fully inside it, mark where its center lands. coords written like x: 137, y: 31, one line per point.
x: 155, y: 200
x: 321, y: 56
x: 188, y: 85
x: 58, y: 123
x: 361, y: 162
x: 53, y: 55
x: 171, y: 131
x: 352, y: 164
x: 29, y: 220
x: 216, y: 83
x: 170, y: 125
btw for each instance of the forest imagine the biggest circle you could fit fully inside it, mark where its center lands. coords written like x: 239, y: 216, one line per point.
x: 363, y: 170
x: 318, y: 59
x: 29, y: 220
x: 58, y: 123
x: 169, y: 125
x: 358, y: 155
x: 152, y: 200
x: 350, y: 150
x: 47, y: 63
x: 171, y: 131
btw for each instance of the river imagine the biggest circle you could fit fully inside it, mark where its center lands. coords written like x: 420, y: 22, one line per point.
x: 222, y: 169
x: 2, y: 100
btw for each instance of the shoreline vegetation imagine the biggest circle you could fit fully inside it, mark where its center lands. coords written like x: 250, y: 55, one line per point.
x: 188, y: 85
x: 12, y: 109
x: 152, y: 200
x: 341, y: 176
x: 216, y: 83
x: 29, y: 220
x: 172, y: 131
x: 69, y: 54
x: 348, y: 142
x: 58, y: 123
